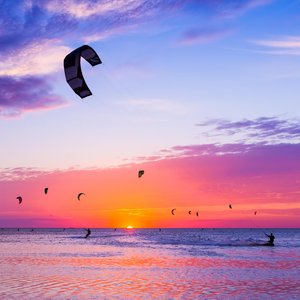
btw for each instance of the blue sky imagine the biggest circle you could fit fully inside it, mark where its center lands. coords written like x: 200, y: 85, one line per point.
x: 167, y: 65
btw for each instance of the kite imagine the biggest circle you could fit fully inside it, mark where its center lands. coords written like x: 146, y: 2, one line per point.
x: 20, y: 199
x: 46, y: 190
x: 141, y: 173
x: 79, y: 195
x: 73, y: 71
x: 173, y: 210
x: 230, y: 206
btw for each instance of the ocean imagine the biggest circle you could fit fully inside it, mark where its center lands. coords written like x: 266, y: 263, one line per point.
x: 149, y: 264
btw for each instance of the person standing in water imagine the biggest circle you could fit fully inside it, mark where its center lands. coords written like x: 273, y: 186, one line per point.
x: 88, y: 232
x: 271, y: 239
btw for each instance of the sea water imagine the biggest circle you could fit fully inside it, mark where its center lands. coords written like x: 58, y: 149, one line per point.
x: 149, y: 264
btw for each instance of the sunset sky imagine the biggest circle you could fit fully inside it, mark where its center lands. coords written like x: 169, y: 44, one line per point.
x: 202, y: 95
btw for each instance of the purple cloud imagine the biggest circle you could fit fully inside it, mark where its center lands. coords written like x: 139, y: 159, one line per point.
x: 255, y: 173
x: 229, y: 164
x: 268, y: 129
x: 231, y: 9
x: 23, y: 25
x: 198, y: 36
x: 19, y: 95
x: 24, y: 22
x: 47, y: 29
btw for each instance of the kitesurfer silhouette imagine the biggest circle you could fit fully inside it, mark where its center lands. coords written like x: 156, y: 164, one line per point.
x: 271, y: 239
x: 88, y: 232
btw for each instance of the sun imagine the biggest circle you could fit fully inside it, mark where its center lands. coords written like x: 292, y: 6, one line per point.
x: 129, y: 227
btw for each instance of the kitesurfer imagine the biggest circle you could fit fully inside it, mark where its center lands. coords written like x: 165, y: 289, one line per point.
x: 271, y: 239
x: 88, y: 232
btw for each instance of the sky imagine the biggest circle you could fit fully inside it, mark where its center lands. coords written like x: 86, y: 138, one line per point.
x: 202, y: 95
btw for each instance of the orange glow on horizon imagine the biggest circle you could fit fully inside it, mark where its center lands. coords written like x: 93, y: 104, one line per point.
x: 123, y: 199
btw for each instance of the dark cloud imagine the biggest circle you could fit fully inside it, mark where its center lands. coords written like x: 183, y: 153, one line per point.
x: 18, y: 95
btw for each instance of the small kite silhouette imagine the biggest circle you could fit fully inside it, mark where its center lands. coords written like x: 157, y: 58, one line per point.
x: 230, y: 206
x: 255, y: 213
x: 173, y: 210
x: 141, y: 173
x: 197, y: 214
x: 79, y: 195
x: 190, y: 212
x: 46, y: 190
x: 20, y: 199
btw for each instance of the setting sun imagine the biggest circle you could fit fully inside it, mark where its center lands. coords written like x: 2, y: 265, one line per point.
x: 129, y: 227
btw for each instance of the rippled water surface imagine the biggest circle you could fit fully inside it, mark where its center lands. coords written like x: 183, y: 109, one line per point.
x: 148, y: 263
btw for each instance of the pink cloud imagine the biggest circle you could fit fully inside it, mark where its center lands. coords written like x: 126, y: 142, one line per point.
x: 288, y: 42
